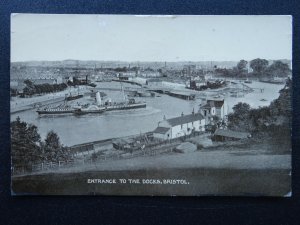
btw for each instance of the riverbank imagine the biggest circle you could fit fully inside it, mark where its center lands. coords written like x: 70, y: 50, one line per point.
x: 18, y: 104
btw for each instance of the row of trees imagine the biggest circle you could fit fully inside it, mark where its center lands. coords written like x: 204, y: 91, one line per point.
x: 32, y: 88
x: 260, y: 67
x: 273, y: 120
x: 28, y: 148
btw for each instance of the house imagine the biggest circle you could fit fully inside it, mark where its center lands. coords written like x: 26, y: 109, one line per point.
x: 214, y: 107
x: 179, y: 126
x: 229, y: 135
x: 150, y: 74
x: 209, y: 109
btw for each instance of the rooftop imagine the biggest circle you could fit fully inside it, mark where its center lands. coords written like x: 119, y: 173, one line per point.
x: 161, y: 130
x: 232, y: 134
x: 185, y: 119
x: 209, y: 105
x: 217, y: 103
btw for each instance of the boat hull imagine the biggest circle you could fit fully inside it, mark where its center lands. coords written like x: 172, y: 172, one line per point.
x: 94, y: 111
x: 126, y: 107
x: 53, y: 112
x: 272, y: 81
x: 84, y: 112
x: 70, y: 98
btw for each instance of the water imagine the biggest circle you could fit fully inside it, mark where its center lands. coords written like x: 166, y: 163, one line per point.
x: 271, y: 92
x: 79, y: 129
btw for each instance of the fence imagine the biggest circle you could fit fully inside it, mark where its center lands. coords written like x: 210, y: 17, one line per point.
x: 54, y: 166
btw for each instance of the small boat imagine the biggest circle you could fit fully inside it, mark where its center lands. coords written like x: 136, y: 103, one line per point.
x: 273, y: 81
x: 73, y: 97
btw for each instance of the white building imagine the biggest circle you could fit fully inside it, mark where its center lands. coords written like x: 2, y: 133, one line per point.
x: 179, y: 126
x: 139, y: 80
x: 127, y: 74
x: 172, y: 85
x: 214, y: 107
x: 150, y: 74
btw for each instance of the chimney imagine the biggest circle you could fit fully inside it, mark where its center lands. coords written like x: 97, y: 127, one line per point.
x: 165, y: 117
x: 182, y: 114
x: 193, y: 112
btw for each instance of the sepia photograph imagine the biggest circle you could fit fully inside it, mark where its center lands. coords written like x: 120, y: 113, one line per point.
x: 151, y: 105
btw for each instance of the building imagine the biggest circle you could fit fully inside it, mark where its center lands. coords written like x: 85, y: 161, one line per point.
x: 214, y: 107
x: 126, y: 75
x: 149, y: 73
x: 196, y: 84
x: 176, y: 85
x: 209, y: 109
x: 179, y: 126
x: 139, y: 80
x: 229, y: 135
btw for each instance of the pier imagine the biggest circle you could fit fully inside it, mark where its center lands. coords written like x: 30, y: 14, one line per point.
x: 186, y: 95
x: 182, y: 95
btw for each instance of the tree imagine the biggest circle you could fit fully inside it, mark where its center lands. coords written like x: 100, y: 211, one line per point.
x: 241, y: 109
x: 279, y: 69
x: 239, y: 119
x: 242, y: 67
x: 29, y: 83
x: 25, y: 143
x: 282, y: 106
x: 13, y: 92
x: 259, y: 66
x: 53, y: 149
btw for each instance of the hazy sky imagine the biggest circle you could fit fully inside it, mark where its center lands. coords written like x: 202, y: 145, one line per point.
x: 149, y: 38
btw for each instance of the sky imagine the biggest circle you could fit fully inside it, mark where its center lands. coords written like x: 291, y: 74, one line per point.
x: 52, y: 37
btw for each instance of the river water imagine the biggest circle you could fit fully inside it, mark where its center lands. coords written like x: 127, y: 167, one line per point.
x: 80, y: 129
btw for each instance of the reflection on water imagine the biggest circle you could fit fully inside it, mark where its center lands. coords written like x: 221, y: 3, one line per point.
x: 79, y: 129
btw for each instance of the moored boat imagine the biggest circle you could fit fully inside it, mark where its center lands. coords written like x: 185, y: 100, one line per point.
x: 73, y: 97
x: 273, y: 81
